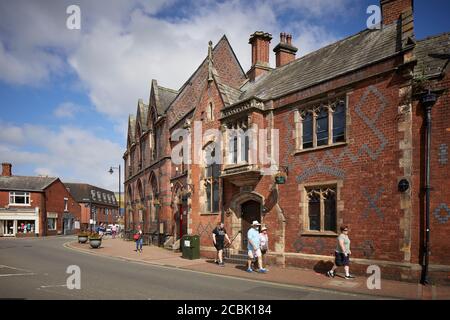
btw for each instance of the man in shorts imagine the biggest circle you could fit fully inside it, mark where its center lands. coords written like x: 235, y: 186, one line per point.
x: 219, y: 235
x: 253, y: 247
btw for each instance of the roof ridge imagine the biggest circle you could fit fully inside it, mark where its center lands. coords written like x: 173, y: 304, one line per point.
x: 167, y: 89
x: 435, y: 36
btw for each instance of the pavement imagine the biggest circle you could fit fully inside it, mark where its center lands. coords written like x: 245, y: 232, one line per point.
x: 294, y: 277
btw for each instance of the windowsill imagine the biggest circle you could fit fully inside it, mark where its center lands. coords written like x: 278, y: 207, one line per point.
x: 210, y: 213
x: 320, y: 233
x: 334, y: 145
x: 19, y: 205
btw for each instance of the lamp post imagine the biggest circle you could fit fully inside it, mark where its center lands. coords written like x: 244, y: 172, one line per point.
x: 111, y: 171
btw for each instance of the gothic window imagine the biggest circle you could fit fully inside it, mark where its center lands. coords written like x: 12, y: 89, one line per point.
x: 212, y: 173
x: 320, y: 126
x: 322, y: 207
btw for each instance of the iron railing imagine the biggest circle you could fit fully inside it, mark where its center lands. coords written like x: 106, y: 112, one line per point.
x: 226, y: 249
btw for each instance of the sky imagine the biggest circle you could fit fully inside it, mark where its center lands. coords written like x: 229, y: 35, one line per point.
x: 65, y: 94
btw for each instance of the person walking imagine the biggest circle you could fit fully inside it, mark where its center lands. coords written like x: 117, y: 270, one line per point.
x: 253, y: 247
x: 263, y: 244
x: 219, y: 235
x: 113, y: 230
x: 138, y: 238
x: 342, y: 254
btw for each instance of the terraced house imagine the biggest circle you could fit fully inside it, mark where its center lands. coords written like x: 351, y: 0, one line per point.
x: 357, y: 133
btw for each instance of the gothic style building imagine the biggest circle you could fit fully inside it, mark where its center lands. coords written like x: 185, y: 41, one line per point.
x: 338, y: 136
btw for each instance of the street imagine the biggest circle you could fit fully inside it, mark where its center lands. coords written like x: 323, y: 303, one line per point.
x: 36, y: 269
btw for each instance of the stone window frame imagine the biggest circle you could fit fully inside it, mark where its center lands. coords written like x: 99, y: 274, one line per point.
x: 205, y: 179
x: 304, y: 207
x: 314, y: 109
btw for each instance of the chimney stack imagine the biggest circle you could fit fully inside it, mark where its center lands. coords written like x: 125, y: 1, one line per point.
x: 391, y: 10
x: 6, y: 170
x: 284, y: 51
x: 260, y: 42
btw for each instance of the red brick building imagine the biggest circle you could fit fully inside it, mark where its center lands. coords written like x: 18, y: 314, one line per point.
x: 345, y: 126
x: 36, y: 206
x: 97, y: 205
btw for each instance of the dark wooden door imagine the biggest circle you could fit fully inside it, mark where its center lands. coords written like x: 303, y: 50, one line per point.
x: 251, y: 210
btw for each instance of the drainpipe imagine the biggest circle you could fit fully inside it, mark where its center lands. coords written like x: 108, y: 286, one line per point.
x: 428, y: 100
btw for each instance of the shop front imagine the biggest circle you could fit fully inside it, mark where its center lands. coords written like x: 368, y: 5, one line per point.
x: 19, y: 222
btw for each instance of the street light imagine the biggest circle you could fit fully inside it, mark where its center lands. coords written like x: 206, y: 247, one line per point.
x: 111, y: 171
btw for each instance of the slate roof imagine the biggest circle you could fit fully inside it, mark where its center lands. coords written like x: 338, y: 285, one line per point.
x: 432, y: 54
x: 343, y: 56
x: 84, y: 193
x: 166, y: 96
x: 25, y: 183
x: 142, y: 114
x: 132, y: 127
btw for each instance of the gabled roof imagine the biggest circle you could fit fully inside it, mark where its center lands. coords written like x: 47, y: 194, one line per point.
x: 131, y: 128
x: 228, y: 70
x: 86, y: 193
x: 25, y: 183
x: 166, y: 96
x: 349, y: 54
x: 141, y: 114
x: 433, y: 55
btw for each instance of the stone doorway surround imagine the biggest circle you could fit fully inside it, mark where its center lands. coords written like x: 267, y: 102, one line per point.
x: 236, y: 215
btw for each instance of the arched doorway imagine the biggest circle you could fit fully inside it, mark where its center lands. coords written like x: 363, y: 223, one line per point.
x: 250, y: 210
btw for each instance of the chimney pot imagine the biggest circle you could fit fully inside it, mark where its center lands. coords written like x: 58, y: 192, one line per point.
x: 284, y: 51
x: 6, y: 169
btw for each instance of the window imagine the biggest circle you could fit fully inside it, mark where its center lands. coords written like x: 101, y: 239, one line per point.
x: 321, y: 209
x: 321, y: 126
x: 339, y: 122
x: 239, y: 146
x: 93, y: 195
x: 308, y: 131
x: 212, y: 173
x: 210, y: 112
x: 66, y: 204
x: 19, y: 198
x: 51, y: 223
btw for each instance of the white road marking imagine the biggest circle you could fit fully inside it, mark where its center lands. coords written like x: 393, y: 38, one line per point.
x: 17, y: 274
x: 54, y: 286
x: 14, y: 268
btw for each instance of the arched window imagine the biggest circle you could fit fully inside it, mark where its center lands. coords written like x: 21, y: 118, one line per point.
x: 210, y: 112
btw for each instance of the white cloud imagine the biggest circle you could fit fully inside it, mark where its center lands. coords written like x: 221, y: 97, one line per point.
x: 70, y: 153
x: 66, y: 110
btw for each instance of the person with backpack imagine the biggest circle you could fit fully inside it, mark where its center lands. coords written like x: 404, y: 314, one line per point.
x: 138, y: 238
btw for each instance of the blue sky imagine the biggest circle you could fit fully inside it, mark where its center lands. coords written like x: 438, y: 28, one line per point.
x: 66, y: 94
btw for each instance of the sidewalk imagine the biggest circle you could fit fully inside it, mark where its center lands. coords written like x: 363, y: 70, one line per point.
x: 295, y: 277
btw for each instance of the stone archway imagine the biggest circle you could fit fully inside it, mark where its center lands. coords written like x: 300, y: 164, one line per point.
x: 236, y: 214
